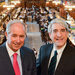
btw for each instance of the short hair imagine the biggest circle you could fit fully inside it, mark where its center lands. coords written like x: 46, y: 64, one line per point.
x: 59, y: 21
x: 11, y: 23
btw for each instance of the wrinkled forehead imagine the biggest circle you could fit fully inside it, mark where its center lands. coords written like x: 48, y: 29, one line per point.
x: 54, y: 25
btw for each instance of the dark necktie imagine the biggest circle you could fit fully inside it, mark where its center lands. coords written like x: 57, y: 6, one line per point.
x: 15, y: 64
x: 52, y: 64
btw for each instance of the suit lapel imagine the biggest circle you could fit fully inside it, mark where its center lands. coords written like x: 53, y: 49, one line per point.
x: 48, y: 52
x: 63, y: 59
x: 6, y: 59
x: 45, y: 62
x: 24, y: 59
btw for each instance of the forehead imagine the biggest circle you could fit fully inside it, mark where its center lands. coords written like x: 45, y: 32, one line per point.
x: 58, y: 26
x: 17, y: 27
x: 19, y: 24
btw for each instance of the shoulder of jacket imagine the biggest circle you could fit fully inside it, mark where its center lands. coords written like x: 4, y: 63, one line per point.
x: 46, y: 45
x: 26, y: 49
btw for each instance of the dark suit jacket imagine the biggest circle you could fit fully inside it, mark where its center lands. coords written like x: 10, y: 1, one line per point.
x: 66, y: 64
x: 28, y: 62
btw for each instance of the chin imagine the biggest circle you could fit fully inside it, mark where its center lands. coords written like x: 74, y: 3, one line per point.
x: 16, y: 49
x: 60, y: 46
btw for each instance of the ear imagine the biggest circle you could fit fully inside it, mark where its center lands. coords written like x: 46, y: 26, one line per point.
x: 50, y: 35
x: 6, y: 34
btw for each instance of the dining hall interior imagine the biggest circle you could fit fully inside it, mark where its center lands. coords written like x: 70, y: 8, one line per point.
x: 35, y: 13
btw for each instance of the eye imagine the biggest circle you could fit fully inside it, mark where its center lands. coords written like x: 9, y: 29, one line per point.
x: 22, y: 36
x: 63, y: 30
x: 14, y: 35
x: 55, y: 30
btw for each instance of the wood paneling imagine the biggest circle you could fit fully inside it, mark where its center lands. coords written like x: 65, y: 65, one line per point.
x: 29, y: 3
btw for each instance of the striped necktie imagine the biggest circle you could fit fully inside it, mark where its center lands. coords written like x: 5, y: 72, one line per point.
x: 52, y: 64
x: 15, y: 64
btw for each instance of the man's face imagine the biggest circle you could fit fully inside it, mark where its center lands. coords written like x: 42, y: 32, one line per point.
x: 15, y: 38
x: 58, y: 35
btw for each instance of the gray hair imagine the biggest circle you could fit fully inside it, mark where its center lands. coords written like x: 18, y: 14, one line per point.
x: 59, y: 21
x: 11, y: 23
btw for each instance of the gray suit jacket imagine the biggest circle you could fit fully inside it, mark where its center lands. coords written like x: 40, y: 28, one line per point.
x: 27, y: 57
x: 66, y: 64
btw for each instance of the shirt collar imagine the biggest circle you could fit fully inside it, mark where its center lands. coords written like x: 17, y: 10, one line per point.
x: 10, y: 51
x: 59, y: 50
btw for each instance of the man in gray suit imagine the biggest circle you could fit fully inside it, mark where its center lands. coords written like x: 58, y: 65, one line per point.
x: 25, y: 59
x: 65, y: 58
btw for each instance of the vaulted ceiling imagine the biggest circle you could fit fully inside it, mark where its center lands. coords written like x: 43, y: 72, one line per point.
x: 29, y: 3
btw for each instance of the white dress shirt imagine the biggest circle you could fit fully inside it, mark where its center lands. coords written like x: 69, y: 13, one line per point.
x: 11, y: 52
x: 59, y: 51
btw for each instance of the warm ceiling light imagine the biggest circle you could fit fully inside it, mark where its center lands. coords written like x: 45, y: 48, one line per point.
x: 47, y: 2
x: 69, y: 7
x: 8, y: 6
x: 56, y: 2
x: 15, y: 2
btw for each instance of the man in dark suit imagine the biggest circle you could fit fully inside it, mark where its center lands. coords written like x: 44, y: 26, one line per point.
x: 15, y: 34
x: 65, y: 59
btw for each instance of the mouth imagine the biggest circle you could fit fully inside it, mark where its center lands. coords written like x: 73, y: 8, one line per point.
x: 59, y: 39
x: 17, y: 44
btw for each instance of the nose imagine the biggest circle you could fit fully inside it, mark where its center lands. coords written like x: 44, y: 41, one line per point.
x: 18, y: 39
x: 59, y: 34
